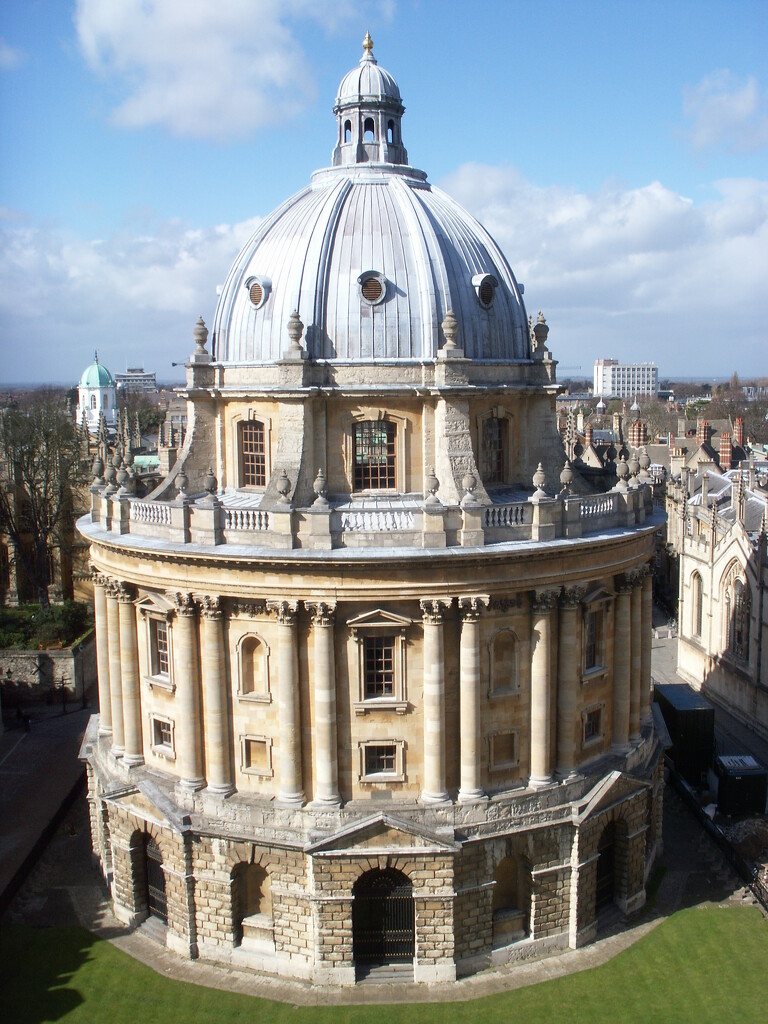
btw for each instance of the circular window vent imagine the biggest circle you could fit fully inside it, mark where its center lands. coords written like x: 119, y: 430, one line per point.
x: 258, y: 290
x: 485, y: 288
x: 373, y: 287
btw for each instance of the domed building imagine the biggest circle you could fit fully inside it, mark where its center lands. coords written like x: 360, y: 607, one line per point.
x: 374, y: 679
x: 96, y: 394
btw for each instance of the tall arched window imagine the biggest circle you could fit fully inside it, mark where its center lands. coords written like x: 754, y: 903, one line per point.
x: 347, y: 131
x: 374, y: 455
x: 368, y: 130
x: 739, y: 632
x: 696, y: 593
x: 254, y: 673
x: 93, y: 401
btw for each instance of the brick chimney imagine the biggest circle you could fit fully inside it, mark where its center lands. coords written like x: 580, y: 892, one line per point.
x: 738, y: 431
x: 726, y: 451
x: 703, y: 432
x: 588, y: 434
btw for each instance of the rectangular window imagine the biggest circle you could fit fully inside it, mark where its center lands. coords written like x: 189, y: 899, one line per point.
x: 158, y: 629
x: 492, y: 446
x: 162, y: 734
x: 379, y: 666
x: 374, y: 455
x: 255, y: 752
x: 593, y: 722
x: 253, y: 461
x: 590, y: 641
x: 380, y: 759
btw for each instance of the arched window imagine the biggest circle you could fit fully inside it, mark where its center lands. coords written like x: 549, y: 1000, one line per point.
x: 390, y: 131
x: 93, y: 401
x: 106, y: 401
x: 254, y: 673
x: 374, y: 455
x: 347, y: 131
x: 383, y: 918
x: 493, y: 450
x: 503, y: 668
x: 739, y: 632
x: 696, y: 593
x: 368, y: 130
x: 252, y: 449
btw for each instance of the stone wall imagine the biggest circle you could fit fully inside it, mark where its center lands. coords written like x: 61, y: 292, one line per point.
x: 42, y: 675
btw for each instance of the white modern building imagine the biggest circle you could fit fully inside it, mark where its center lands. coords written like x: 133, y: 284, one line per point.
x: 136, y: 378
x: 613, y: 379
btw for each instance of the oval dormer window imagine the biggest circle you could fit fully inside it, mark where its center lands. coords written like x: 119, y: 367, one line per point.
x: 373, y: 287
x: 258, y: 290
x: 485, y: 287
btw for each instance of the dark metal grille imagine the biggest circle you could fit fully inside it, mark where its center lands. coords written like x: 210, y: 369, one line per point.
x: 252, y: 453
x: 383, y: 918
x: 606, y: 863
x: 156, y: 899
x: 379, y: 666
x: 492, y: 453
x: 374, y: 455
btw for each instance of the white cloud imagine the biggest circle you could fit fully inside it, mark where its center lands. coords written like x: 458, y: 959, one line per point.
x: 636, y: 272
x: 10, y: 57
x: 205, y: 68
x: 728, y: 112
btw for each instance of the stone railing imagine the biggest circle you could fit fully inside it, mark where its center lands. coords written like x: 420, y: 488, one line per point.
x: 207, y: 521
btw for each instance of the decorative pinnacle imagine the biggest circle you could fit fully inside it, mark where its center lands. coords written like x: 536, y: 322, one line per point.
x: 368, y: 45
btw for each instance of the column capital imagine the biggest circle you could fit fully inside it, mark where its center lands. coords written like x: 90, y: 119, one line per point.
x: 184, y: 604
x: 248, y: 608
x: 322, y: 612
x: 433, y: 609
x: 472, y: 607
x: 571, y: 597
x: 211, y: 606
x: 626, y: 581
x: 543, y: 601
x: 112, y: 587
x: 284, y: 611
x: 125, y: 593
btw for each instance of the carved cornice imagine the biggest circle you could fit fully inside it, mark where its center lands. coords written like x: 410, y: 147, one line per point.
x: 570, y: 597
x: 625, y: 582
x: 249, y: 609
x: 184, y: 604
x: 125, y: 592
x: 284, y: 611
x: 506, y: 604
x: 544, y: 601
x: 433, y: 609
x: 323, y: 612
x: 211, y: 606
x: 471, y: 608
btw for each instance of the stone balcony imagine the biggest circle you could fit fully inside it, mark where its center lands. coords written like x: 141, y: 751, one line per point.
x: 242, y: 519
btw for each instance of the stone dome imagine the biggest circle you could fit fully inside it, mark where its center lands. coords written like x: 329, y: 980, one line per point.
x: 96, y: 375
x: 372, y: 257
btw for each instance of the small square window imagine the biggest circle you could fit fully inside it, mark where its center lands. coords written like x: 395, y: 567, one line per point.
x: 593, y: 724
x: 380, y: 760
x: 503, y: 750
x: 161, y: 731
x: 256, y: 755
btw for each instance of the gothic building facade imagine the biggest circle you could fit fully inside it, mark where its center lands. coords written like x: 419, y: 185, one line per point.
x: 374, y: 682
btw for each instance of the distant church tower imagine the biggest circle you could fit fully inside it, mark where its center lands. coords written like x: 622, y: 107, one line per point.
x: 97, y: 393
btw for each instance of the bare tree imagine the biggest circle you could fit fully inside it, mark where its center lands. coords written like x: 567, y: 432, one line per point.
x: 41, y: 466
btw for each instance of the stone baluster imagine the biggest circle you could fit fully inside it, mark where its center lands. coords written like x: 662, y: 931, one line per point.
x: 326, y: 749
x: 622, y: 640
x: 129, y: 673
x: 290, y: 791
x: 470, y: 789
x: 434, y: 790
x: 645, y: 646
x: 568, y: 668
x: 541, y: 690
x: 635, y: 672
x: 218, y: 756
x: 102, y: 652
x: 187, y: 679
x: 115, y: 676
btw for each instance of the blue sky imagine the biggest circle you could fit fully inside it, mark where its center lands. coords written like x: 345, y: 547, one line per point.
x: 618, y: 151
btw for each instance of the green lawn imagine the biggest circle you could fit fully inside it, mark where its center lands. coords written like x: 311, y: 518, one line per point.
x: 703, y: 964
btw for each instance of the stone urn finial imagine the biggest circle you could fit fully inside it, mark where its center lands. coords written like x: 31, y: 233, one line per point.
x: 431, y: 485
x: 622, y: 472
x: 540, y: 334
x: 284, y: 485
x: 645, y: 461
x: 633, y: 465
x: 295, y: 330
x: 209, y: 482
x: 450, y: 327
x: 182, y: 480
x: 566, y: 477
x: 97, y: 469
x: 200, y: 334
x: 540, y: 482
x: 320, y: 487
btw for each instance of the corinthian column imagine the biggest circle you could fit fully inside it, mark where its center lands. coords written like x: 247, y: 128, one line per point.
x: 187, y: 680
x: 290, y: 789
x: 568, y: 665
x: 102, y: 652
x: 541, y: 690
x: 433, y: 789
x: 470, y: 790
x: 635, y: 682
x: 621, y: 665
x: 115, y: 677
x: 326, y: 751
x: 215, y: 712
x: 645, y: 646
x: 129, y: 671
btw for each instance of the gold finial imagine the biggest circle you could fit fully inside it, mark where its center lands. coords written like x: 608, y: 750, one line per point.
x: 368, y: 43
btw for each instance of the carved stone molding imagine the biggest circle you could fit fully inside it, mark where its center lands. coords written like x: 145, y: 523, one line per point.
x: 284, y: 611
x: 544, y: 601
x: 323, y: 612
x: 625, y: 582
x: 112, y: 587
x: 571, y: 597
x: 433, y: 609
x: 249, y: 609
x: 184, y: 604
x: 506, y: 604
x: 211, y: 606
x: 125, y: 592
x: 471, y: 608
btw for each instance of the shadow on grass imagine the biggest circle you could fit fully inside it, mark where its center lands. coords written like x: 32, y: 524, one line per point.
x: 38, y: 969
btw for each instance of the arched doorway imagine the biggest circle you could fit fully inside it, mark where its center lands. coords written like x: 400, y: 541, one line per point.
x: 606, y: 868
x: 157, y: 904
x: 383, y: 930
x: 251, y: 904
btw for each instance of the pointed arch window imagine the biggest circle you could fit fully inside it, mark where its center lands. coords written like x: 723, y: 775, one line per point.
x: 739, y: 623
x: 697, y: 604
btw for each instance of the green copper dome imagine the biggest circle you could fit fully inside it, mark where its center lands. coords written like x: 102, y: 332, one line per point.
x: 96, y: 376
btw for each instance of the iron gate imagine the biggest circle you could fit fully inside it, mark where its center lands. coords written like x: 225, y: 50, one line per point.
x: 606, y: 864
x: 156, y: 899
x: 383, y: 918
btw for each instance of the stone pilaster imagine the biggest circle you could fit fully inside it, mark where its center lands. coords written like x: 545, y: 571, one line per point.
x: 326, y: 748
x: 541, y: 689
x: 635, y: 674
x: 471, y: 608
x: 187, y: 679
x: 102, y: 651
x: 568, y: 668
x: 622, y: 640
x: 215, y: 711
x: 129, y: 671
x: 433, y: 789
x: 645, y: 646
x: 115, y: 676
x: 290, y: 791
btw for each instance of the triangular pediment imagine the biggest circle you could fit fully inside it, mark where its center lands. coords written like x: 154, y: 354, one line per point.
x: 157, y: 603
x: 149, y: 802
x: 609, y: 791
x: 379, y: 619
x: 383, y: 833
